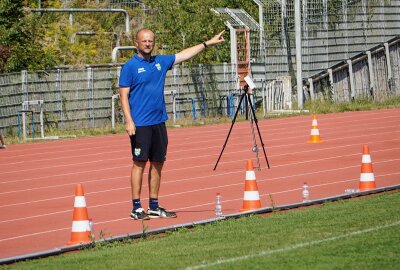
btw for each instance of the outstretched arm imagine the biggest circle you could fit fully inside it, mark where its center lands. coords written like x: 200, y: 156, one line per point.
x: 188, y: 53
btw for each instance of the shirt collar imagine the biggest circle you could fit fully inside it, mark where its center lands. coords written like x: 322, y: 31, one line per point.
x: 144, y: 60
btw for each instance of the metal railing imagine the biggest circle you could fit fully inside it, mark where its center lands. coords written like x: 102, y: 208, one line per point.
x: 373, y: 74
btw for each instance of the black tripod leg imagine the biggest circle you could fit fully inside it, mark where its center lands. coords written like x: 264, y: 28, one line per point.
x: 255, y: 147
x: 258, y: 130
x: 246, y: 107
x: 230, y: 130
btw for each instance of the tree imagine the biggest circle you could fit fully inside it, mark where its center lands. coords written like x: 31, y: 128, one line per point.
x: 19, y: 39
x: 181, y: 24
x: 30, y: 41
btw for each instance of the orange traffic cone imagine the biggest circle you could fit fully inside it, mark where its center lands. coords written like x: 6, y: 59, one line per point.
x: 314, y: 137
x: 251, y: 198
x: 81, y: 229
x: 367, y: 178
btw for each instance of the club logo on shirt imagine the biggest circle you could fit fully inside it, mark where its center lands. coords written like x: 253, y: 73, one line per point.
x: 158, y: 66
x: 137, y: 151
x: 140, y: 70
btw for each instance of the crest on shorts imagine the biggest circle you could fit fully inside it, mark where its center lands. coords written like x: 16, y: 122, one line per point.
x: 137, y: 151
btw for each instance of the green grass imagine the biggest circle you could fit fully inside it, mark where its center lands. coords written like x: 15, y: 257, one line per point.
x: 319, y: 107
x: 329, y: 236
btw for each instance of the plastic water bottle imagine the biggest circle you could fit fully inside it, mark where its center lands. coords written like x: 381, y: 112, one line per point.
x: 91, y: 227
x: 218, y: 206
x: 350, y: 191
x: 306, y: 193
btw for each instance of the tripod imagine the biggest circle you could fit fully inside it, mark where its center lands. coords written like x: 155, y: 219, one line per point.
x: 253, y: 117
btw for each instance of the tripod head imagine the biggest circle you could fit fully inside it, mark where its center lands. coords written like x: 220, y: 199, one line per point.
x: 246, y: 88
x: 250, y: 84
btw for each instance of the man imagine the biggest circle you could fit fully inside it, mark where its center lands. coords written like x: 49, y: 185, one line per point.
x: 3, y: 144
x: 141, y: 88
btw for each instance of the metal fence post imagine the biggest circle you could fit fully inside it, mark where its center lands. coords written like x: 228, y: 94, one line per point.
x: 388, y: 64
x: 332, y: 84
x: 24, y: 85
x: 60, y: 96
x: 371, y: 73
x: 310, y: 81
x: 90, y: 94
x: 297, y: 15
x: 113, y: 98
x: 351, y: 77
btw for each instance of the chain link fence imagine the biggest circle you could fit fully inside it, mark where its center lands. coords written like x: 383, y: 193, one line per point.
x: 82, y: 98
x: 332, y: 31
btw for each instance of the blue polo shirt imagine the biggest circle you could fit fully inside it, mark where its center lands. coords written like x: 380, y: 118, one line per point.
x: 146, y: 82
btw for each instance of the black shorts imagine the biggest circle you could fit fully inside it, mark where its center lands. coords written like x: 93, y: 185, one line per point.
x: 150, y: 143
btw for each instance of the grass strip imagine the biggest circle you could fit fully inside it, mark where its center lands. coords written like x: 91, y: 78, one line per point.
x: 361, y: 233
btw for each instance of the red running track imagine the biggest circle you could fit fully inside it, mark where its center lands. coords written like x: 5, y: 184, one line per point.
x: 38, y: 180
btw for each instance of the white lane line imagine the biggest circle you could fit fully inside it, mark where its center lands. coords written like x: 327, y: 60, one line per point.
x: 33, y: 234
x: 73, y: 184
x: 292, y: 247
x: 41, y: 168
x: 190, y: 142
x: 61, y: 157
x: 200, y: 156
x: 67, y: 174
x: 91, y: 171
x: 198, y: 190
x: 86, y: 141
x: 60, y: 149
x: 216, y: 175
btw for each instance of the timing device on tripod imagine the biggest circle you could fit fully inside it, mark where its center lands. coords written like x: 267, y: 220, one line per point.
x: 253, y: 120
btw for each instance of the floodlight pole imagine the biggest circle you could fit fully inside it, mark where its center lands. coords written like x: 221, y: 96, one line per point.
x: 261, y: 24
x: 297, y: 22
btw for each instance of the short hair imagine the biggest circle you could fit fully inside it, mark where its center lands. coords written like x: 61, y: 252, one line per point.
x: 142, y: 30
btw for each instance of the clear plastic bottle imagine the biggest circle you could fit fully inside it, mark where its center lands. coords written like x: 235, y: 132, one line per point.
x: 350, y: 191
x: 218, y: 206
x: 91, y: 226
x: 306, y: 193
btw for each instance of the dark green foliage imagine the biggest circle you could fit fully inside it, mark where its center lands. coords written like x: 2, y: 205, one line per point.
x: 20, y: 33
x: 181, y: 24
x: 32, y: 41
